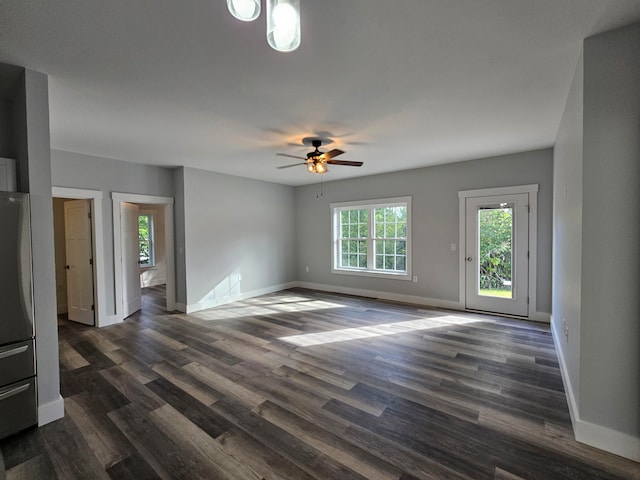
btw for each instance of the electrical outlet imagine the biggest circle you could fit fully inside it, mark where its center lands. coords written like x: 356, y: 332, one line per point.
x: 454, y: 247
x: 239, y: 277
x: 307, y: 268
x: 415, y: 279
x: 565, y: 329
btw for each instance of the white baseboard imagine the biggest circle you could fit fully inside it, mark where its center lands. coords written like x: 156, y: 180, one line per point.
x: 542, y: 317
x: 607, y: 439
x: 50, y: 412
x: 415, y: 299
x: 566, y: 380
x: 604, y: 438
x: 215, y: 302
x: 396, y: 297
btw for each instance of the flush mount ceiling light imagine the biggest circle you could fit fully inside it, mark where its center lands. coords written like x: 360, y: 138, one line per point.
x: 283, y: 20
x: 283, y: 24
x: 245, y: 10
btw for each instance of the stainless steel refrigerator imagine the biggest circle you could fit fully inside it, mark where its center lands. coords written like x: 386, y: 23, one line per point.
x: 18, y: 408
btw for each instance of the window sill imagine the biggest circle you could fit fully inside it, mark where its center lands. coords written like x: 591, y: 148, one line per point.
x: 144, y: 268
x: 372, y: 273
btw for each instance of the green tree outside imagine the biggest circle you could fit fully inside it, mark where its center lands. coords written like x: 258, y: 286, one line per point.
x: 143, y: 233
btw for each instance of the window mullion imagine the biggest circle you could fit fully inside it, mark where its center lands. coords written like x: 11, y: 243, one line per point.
x: 370, y: 240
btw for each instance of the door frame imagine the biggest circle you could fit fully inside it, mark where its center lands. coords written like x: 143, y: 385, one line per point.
x: 97, y: 244
x: 532, y: 191
x: 117, y: 199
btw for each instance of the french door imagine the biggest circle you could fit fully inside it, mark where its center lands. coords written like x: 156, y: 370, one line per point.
x: 496, y: 254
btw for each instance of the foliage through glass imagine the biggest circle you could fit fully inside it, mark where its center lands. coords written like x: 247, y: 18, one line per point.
x: 144, y: 239
x: 496, y: 234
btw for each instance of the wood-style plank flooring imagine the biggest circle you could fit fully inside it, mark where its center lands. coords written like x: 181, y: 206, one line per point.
x: 303, y: 385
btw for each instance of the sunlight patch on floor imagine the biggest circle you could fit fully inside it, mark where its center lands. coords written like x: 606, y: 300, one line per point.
x: 243, y: 310
x: 346, y: 334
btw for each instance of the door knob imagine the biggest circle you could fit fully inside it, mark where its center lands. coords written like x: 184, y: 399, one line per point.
x: 468, y: 259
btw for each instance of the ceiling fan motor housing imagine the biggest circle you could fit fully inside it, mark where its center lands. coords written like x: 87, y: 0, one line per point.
x: 315, y: 154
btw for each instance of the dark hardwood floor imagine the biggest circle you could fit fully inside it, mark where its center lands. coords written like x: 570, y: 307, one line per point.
x: 305, y: 385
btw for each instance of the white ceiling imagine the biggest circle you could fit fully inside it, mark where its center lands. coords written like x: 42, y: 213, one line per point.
x: 397, y: 84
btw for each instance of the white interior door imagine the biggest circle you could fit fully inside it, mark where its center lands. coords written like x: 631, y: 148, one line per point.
x: 79, y: 266
x: 496, y: 254
x: 132, y: 298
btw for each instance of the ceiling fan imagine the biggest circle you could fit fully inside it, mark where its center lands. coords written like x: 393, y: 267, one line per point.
x: 317, y: 161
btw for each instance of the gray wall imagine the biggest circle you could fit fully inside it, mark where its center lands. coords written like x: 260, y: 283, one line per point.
x: 7, y: 148
x: 179, y: 234
x: 235, y: 226
x: 610, y: 331
x: 44, y: 289
x: 75, y: 170
x: 435, y: 222
x: 596, y: 237
x: 567, y: 231
x: 26, y: 137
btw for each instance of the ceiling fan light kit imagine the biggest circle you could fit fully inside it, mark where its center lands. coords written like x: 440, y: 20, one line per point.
x: 317, y: 161
x: 283, y: 20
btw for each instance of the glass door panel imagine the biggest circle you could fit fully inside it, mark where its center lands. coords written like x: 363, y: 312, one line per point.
x: 495, y: 250
x: 496, y: 254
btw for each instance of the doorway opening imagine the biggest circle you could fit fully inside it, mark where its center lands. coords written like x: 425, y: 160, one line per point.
x: 154, y: 300
x: 143, y: 250
x: 498, y: 250
x: 94, y: 197
x: 74, y: 259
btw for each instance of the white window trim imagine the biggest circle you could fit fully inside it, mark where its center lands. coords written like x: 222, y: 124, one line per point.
x: 335, y: 209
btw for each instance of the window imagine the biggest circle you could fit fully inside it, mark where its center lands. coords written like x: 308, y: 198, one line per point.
x: 145, y: 236
x: 372, y: 237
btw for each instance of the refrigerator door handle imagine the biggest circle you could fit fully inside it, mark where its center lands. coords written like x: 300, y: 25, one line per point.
x: 13, y: 351
x: 14, y: 391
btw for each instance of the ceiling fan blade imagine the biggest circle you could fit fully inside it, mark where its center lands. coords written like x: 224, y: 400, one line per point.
x: 292, y: 165
x: 332, y: 153
x: 290, y: 156
x: 345, y: 162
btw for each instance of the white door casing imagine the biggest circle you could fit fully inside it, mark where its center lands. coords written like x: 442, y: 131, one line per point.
x: 95, y: 198
x: 531, y: 239
x: 79, y: 266
x: 132, y: 297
